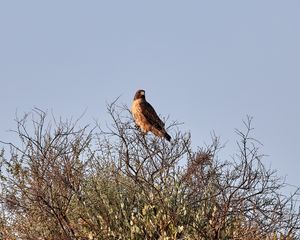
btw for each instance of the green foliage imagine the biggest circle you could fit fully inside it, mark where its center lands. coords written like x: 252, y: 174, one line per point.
x: 66, y: 182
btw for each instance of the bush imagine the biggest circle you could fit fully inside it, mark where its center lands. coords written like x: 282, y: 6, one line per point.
x: 62, y: 181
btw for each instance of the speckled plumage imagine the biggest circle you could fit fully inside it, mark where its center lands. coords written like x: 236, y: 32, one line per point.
x: 145, y: 116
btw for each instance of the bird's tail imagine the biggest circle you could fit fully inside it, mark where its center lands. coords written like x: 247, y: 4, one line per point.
x: 167, y: 136
x: 161, y: 133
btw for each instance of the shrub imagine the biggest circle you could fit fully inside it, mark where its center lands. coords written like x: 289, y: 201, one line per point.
x: 62, y: 181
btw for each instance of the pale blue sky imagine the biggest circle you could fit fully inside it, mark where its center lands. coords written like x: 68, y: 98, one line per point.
x: 205, y: 63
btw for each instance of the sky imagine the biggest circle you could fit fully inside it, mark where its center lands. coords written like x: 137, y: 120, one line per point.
x: 207, y: 64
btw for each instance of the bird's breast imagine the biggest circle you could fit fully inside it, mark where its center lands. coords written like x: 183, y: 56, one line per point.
x: 138, y: 116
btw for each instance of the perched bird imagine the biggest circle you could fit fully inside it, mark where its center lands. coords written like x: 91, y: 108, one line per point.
x: 145, y: 116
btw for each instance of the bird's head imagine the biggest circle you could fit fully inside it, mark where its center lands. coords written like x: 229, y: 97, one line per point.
x: 139, y: 94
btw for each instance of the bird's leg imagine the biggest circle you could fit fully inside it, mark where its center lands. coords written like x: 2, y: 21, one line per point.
x: 143, y: 133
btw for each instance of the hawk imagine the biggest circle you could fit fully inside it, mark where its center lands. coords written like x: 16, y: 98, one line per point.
x: 145, y: 116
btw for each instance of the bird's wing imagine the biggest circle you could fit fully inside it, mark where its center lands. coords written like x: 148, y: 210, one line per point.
x: 151, y: 116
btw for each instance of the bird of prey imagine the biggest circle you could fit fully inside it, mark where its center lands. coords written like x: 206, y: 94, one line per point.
x: 145, y: 116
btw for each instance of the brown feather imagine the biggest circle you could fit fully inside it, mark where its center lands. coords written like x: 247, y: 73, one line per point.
x: 145, y: 116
